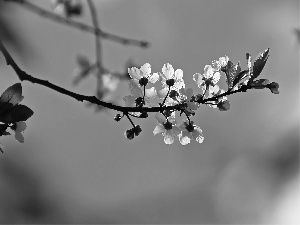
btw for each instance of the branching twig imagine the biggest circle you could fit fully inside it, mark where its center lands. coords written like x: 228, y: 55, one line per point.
x: 81, y: 26
x: 92, y: 99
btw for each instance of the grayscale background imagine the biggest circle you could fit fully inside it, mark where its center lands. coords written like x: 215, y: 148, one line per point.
x: 76, y: 166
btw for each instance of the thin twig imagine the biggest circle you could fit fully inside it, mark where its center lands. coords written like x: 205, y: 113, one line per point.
x: 98, y: 46
x: 92, y: 99
x: 81, y: 26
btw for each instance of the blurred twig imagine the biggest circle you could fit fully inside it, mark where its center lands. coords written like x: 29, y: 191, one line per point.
x: 99, y: 67
x: 81, y: 26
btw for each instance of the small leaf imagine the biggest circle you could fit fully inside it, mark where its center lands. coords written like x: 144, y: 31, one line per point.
x: 11, y: 97
x: 16, y: 114
x: 232, y: 71
x: 13, y: 94
x: 239, y: 77
x: 259, y: 63
x: 229, y: 70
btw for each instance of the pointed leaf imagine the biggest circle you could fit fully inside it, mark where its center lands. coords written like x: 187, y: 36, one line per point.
x: 259, y: 63
x: 239, y: 77
x: 13, y: 94
x: 229, y: 72
x: 11, y: 97
x: 16, y: 114
x: 232, y: 71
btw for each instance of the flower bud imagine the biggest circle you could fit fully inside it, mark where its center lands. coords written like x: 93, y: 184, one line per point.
x: 170, y: 82
x: 118, y: 117
x: 223, y: 105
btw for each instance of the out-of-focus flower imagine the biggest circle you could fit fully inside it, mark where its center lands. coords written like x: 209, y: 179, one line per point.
x: 83, y: 69
x: 190, y: 131
x: 67, y: 8
x: 110, y: 82
x: 167, y: 128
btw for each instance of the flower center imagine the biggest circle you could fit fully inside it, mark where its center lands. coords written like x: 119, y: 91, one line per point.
x: 170, y: 82
x: 143, y: 81
x: 168, y: 125
x: 189, y: 127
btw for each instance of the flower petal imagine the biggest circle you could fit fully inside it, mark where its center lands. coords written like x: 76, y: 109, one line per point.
x: 158, y: 129
x: 162, y: 93
x: 169, y: 137
x: 199, y: 79
x: 216, y: 77
x: 135, y: 89
x: 135, y: 73
x: 189, y: 93
x: 19, y: 137
x: 197, y: 134
x: 179, y: 74
x: 184, y: 140
x: 150, y: 93
x: 160, y: 118
x: 146, y: 70
x: 176, y: 130
x: 129, y: 100
x: 208, y: 71
x: 153, y: 78
x: 168, y: 71
x: 21, y: 126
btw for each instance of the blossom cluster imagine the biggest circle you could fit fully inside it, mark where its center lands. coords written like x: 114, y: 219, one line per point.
x: 176, y: 99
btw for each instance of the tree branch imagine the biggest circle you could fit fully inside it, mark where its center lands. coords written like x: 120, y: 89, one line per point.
x: 92, y: 99
x: 81, y: 26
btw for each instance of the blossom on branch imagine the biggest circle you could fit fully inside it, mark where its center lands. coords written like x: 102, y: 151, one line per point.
x: 210, y: 77
x: 166, y: 127
x: 190, y: 131
x: 143, y: 75
x: 170, y: 78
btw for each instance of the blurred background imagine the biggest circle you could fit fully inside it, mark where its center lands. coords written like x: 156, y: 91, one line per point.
x: 76, y: 166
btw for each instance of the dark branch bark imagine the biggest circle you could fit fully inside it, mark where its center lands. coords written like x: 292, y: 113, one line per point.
x: 92, y: 99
